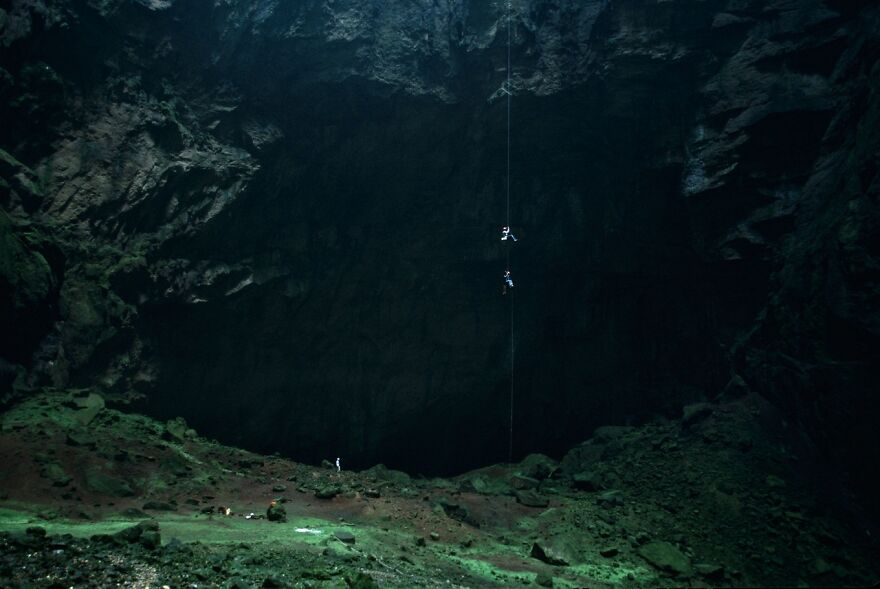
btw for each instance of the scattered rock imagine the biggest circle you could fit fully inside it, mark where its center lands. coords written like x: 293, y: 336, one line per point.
x: 695, y: 413
x: 89, y: 408
x: 382, y: 473
x: 146, y: 533
x: 544, y: 580
x: 151, y: 539
x: 666, y: 557
x: 80, y: 438
x: 586, y: 481
x: 549, y: 554
x: 710, y: 571
x: 361, y: 581
x: 158, y: 506
x: 175, y: 429
x: 521, y: 482
x: 608, y: 433
x: 458, y: 512
x: 531, y: 499
x: 55, y: 473
x: 279, y: 489
x: 344, y: 536
x: 609, y: 552
x: 328, y: 492
x: 133, y: 513
x: 537, y: 466
x: 611, y: 498
x: 475, y: 483
x: 104, y: 484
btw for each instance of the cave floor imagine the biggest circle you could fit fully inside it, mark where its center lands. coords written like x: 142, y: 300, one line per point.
x: 718, y: 498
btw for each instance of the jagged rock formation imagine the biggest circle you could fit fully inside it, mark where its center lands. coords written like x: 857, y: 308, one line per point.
x: 280, y: 221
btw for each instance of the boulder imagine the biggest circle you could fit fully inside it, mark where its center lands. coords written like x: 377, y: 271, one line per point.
x: 150, y: 539
x: 146, y: 533
x: 531, y: 499
x: 551, y: 554
x: 710, y: 571
x: 458, y: 512
x: 344, y: 536
x: 89, y: 408
x: 104, y: 484
x: 666, y: 557
x: 80, y: 438
x: 56, y: 474
x: 361, y: 581
x: 586, y: 481
x: 609, y: 433
x: 158, y: 506
x: 328, y: 491
x: 382, y: 473
x: 484, y: 485
x: 610, y: 498
x: 695, y: 413
x: 175, y: 429
x: 537, y: 466
x: 521, y: 482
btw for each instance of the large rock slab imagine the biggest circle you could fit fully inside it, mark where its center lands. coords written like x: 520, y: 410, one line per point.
x: 667, y: 558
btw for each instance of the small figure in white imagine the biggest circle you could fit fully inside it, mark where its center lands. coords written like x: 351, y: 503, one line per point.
x: 508, y: 282
x: 505, y: 233
x: 338, y: 467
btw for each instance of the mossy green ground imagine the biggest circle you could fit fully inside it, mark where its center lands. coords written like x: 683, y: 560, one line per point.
x: 712, y: 494
x: 469, y: 567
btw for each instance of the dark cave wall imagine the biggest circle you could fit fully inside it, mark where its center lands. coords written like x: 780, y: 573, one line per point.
x: 282, y: 222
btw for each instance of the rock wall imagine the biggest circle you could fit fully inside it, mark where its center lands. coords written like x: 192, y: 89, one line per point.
x: 281, y: 221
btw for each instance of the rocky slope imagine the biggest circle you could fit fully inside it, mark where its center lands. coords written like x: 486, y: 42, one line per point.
x: 90, y: 496
x: 283, y: 220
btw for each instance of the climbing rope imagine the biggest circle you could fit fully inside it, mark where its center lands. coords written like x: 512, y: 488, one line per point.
x: 509, y: 92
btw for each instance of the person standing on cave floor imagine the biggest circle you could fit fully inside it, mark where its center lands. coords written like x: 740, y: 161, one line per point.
x: 505, y: 233
x: 508, y: 282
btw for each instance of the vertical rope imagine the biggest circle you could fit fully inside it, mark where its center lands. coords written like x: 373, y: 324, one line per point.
x: 509, y: 92
x: 508, y: 115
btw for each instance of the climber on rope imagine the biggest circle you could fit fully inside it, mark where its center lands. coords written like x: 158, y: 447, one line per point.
x: 505, y: 233
x: 508, y: 282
